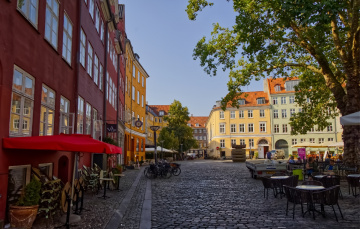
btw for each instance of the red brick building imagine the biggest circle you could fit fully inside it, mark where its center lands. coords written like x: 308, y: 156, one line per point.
x: 62, y: 70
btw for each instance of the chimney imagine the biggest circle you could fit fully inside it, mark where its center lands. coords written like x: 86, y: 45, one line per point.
x: 218, y: 103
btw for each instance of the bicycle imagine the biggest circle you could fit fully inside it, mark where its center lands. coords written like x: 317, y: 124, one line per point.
x: 175, y: 169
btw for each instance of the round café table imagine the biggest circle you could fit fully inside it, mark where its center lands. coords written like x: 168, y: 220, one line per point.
x: 310, y: 189
x: 278, y: 184
x: 118, y: 175
x: 106, y: 180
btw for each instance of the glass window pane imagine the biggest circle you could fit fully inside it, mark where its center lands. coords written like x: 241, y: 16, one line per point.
x: 43, y: 114
x: 44, y: 95
x: 29, y: 86
x: 50, y: 117
x: 14, y: 123
x: 17, y: 82
x: 26, y: 126
x: 16, y: 103
x: 27, y: 108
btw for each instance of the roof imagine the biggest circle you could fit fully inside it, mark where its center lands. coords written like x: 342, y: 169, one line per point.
x: 201, y: 120
x: 272, y: 82
x: 251, y: 99
x: 158, y: 108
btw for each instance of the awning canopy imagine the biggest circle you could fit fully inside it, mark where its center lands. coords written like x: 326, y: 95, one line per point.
x: 62, y: 142
x: 350, y: 119
x: 158, y: 149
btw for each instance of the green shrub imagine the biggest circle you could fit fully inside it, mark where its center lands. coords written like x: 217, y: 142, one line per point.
x: 31, y: 194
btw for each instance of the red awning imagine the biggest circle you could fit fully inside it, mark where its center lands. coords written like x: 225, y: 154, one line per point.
x: 62, y: 142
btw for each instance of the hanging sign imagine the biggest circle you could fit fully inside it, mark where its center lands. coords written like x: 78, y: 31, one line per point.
x: 111, y: 128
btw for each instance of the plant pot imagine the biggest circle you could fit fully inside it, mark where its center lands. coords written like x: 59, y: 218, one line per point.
x: 23, y: 216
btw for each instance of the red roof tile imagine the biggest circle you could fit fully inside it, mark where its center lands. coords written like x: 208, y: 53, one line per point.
x: 201, y: 120
x: 272, y: 82
x: 158, y: 108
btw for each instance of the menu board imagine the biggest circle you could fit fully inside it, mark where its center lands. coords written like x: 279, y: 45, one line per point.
x: 302, y: 153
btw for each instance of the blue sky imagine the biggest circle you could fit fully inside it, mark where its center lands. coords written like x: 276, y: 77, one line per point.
x: 163, y: 36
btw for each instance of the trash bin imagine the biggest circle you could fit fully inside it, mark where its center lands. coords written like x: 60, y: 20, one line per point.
x: 299, y: 173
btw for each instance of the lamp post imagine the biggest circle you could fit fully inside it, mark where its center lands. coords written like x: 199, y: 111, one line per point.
x: 182, y: 156
x: 162, y: 153
x: 155, y: 128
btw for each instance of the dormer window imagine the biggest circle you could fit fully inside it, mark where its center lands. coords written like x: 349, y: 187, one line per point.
x: 277, y: 87
x: 189, y: 124
x: 241, y: 101
x: 290, y: 85
x: 197, y: 124
x: 260, y: 100
x: 161, y: 113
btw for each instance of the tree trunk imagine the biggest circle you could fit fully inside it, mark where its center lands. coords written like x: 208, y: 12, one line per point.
x: 351, y: 136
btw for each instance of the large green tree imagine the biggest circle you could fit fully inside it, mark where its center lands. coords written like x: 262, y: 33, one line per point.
x: 314, y: 40
x: 177, y: 119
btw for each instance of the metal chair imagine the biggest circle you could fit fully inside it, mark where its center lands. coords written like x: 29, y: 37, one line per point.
x: 292, y: 197
x: 353, y: 183
x: 329, y: 197
x: 267, y: 182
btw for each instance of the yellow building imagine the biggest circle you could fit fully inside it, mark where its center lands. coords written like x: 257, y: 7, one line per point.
x: 135, y: 107
x: 155, y: 117
x: 249, y: 124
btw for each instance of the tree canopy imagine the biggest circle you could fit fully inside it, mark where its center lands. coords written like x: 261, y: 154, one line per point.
x: 316, y: 41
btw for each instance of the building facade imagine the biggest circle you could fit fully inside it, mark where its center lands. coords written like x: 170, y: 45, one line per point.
x: 155, y: 117
x: 197, y: 123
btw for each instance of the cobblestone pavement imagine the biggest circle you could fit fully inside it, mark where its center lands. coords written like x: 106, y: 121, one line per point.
x: 207, y: 194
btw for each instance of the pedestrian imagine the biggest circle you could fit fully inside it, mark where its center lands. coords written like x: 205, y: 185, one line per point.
x: 291, y: 160
x: 311, y: 166
x: 268, y: 155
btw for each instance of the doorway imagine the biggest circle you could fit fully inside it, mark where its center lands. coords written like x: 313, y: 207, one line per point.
x: 63, y: 169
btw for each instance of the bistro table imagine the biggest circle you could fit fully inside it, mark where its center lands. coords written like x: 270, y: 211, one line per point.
x: 118, y: 175
x: 278, y: 184
x: 353, y: 182
x: 106, y: 180
x: 310, y: 189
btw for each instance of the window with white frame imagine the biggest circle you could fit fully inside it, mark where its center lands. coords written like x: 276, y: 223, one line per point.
x: 232, y: 114
x: 241, y: 114
x: 290, y: 85
x: 233, y: 128
x: 134, y: 71
x: 67, y: 39
x: 262, y: 113
x: 51, y: 22
x: 283, y: 113
x: 233, y: 141
x: 284, y: 128
x: 292, y: 112
x: 20, y: 177
x: 90, y: 60
x: 88, y: 119
x: 241, y: 101
x: 29, y: 8
x: 200, y: 131
x: 101, y: 30
x: 133, y: 93
x: 276, y: 128
x: 250, y: 127
x: 277, y: 87
x: 101, y: 73
x: 91, y: 8
x: 260, y: 100
x: 204, y: 137
x: 242, y: 141
x: 275, y: 101
x: 321, y: 140
x: 143, y: 81
x: 222, y: 128
x: 242, y: 128
x: 82, y: 47
x: 142, y: 100
x: 250, y: 113
x: 138, y: 97
x: 262, y: 127
x: 47, y: 169
x: 312, y: 140
x: 302, y: 140
x: 47, y: 111
x: 283, y: 100
x: 221, y: 115
x: 197, y: 124
x: 22, y: 100
x: 276, y: 114
x: 195, y: 131
x: 80, y: 116
x: 107, y: 86
x: 64, y: 115
x: 251, y: 143
x: 330, y: 139
x: 97, y: 19
x: 138, y: 79
x: 96, y: 69
x: 294, y: 141
x: 292, y: 99
x: 329, y: 128
x: 95, y: 124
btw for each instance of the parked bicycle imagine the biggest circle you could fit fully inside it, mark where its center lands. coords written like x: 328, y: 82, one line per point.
x: 175, y: 169
x: 158, y: 170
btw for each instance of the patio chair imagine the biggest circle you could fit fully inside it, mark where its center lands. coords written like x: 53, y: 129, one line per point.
x: 329, y: 197
x: 292, y: 197
x: 333, y: 180
x: 268, y: 184
x: 353, y: 183
x: 312, y: 182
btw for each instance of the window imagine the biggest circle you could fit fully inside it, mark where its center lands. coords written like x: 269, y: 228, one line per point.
x: 222, y: 128
x: 242, y: 128
x: 233, y: 141
x: 102, y: 30
x: 275, y: 100
x: 330, y: 139
x: 133, y: 73
x: 21, y: 103
x: 67, y: 39
x: 138, y: 77
x: 51, y: 22
x: 96, y: 125
x: 195, y: 131
x: 241, y: 114
x: 80, y: 116
x: 242, y: 141
x: 143, y: 81
x: 292, y: 99
x: 250, y: 127
x: 283, y: 113
x: 290, y: 85
x: 138, y: 97
x: 251, y: 143
x: 21, y: 175
x: 321, y: 140
x: 277, y: 87
x: 91, y: 8
x: 263, y: 127
x: 221, y: 115
x: 283, y: 100
x: 197, y: 125
x: 142, y: 100
x: 200, y: 131
x: 308, y: 100
x: 137, y: 145
x: 64, y: 115
x: 133, y: 93
x: 46, y: 168
x: 233, y: 128
x: 262, y: 113
x: 97, y: 19
x: 222, y: 143
x: 47, y: 111
x: 330, y: 128
x: 96, y: 69
x: 204, y: 138
x: 101, y: 73
x: 200, y: 145
x: 260, y: 100
x: 284, y: 128
x: 82, y: 47
x: 302, y: 140
x: 90, y: 60
x: 294, y: 141
x: 292, y: 112
x: 88, y: 119
x: 241, y: 101
x: 276, y: 128
x: 250, y: 113
x: 312, y: 140
x: 232, y: 114
x: 29, y: 9
x: 276, y: 114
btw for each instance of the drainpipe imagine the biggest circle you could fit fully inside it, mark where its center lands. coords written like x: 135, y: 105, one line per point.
x: 104, y: 77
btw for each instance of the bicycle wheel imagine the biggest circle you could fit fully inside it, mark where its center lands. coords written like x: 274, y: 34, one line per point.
x: 145, y: 170
x: 150, y: 174
x: 176, y: 171
x: 167, y: 173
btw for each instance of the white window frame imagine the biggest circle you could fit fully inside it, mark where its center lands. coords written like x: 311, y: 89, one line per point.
x: 241, y: 114
x: 91, y: 8
x: 242, y: 128
x: 133, y: 93
x: 284, y: 128
x: 291, y: 99
x: 221, y: 115
x: 283, y: 100
x: 138, y: 97
x: 242, y: 141
x: 88, y: 110
x: 312, y: 140
x: 27, y: 9
x: 64, y: 115
x: 302, y: 140
x: 52, y: 25
x: 48, y: 107
x: 321, y: 140
x: 260, y: 100
x: 250, y: 114
x: 262, y: 126
x: 222, y: 143
x: 251, y: 142
x: 82, y: 47
x: 232, y: 128
x: 262, y: 113
x: 251, y: 127
x: 232, y: 114
x: 274, y: 100
x: 241, y: 102
x: 222, y: 128
x: 277, y: 87
x: 293, y: 141
x: 97, y: 19
x: 283, y: 113
x: 80, y: 116
x: 67, y: 39
x: 90, y: 60
x: 233, y: 142
x: 276, y: 128
x: 292, y: 112
x: 101, y: 73
x: 275, y: 114
x: 96, y: 69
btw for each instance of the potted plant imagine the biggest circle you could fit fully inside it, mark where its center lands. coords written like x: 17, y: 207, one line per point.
x: 23, y: 213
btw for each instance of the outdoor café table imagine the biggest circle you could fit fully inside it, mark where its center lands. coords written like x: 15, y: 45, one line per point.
x: 118, y: 175
x: 278, y: 183
x: 353, y: 176
x: 106, y: 180
x: 310, y: 189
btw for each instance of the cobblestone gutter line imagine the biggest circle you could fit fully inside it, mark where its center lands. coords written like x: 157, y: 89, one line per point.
x: 145, y: 222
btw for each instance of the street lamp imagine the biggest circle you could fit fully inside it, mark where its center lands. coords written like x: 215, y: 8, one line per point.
x: 155, y: 128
